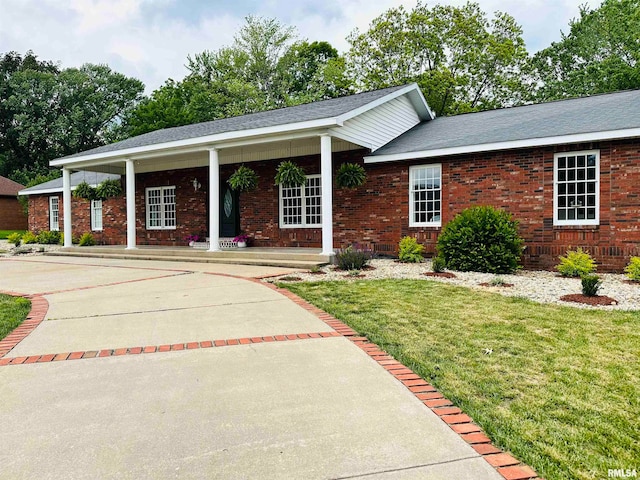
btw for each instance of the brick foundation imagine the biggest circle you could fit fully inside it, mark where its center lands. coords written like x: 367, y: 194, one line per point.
x: 377, y: 214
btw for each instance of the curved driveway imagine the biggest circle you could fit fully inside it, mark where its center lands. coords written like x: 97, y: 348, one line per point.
x: 299, y: 401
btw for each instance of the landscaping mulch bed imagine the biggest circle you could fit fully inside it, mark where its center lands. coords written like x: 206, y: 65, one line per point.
x: 488, y: 284
x: 593, y: 301
x: 439, y: 274
x: 631, y: 282
x: 290, y: 279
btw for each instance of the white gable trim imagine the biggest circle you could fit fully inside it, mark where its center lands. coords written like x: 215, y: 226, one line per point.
x: 487, y: 147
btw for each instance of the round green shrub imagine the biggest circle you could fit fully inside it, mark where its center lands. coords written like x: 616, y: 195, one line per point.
x: 15, y: 238
x: 410, y: 251
x: 29, y: 238
x: 481, y: 239
x: 633, y: 269
x: 244, y: 179
x: 86, y: 240
x: 350, y: 175
x: 590, y: 285
x: 577, y: 263
x: 438, y: 264
x: 48, y: 238
x: 290, y: 175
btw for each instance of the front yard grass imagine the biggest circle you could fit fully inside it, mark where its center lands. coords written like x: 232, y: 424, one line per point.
x: 13, y: 311
x: 4, y: 234
x: 560, y: 389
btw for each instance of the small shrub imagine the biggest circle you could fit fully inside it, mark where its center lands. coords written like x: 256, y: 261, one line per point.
x: 86, y: 240
x: 438, y: 264
x: 15, y: 238
x: 49, y: 237
x: 590, y: 285
x: 244, y: 179
x: 350, y: 175
x: 29, y: 238
x: 315, y: 269
x: 410, y: 251
x: 289, y: 174
x: 481, y: 239
x: 577, y: 263
x: 633, y: 269
x: 497, y: 282
x: 353, y: 258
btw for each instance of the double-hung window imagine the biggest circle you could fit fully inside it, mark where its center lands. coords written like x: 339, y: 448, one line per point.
x: 96, y: 215
x: 54, y: 214
x: 161, y: 208
x: 301, y: 207
x: 425, y: 192
x: 576, y: 194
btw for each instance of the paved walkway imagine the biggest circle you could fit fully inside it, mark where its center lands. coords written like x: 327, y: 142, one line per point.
x: 165, y: 370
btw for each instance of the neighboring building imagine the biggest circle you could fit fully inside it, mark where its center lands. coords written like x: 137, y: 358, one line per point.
x: 12, y: 216
x: 568, y: 171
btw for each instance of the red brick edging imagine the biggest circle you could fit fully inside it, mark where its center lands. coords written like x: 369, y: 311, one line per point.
x: 39, y: 307
x: 506, y: 465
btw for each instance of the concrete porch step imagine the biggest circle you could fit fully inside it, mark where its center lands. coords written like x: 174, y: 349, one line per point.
x: 262, y: 258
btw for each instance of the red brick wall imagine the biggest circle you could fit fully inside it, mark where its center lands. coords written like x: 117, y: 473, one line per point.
x: 377, y: 214
x: 12, y: 216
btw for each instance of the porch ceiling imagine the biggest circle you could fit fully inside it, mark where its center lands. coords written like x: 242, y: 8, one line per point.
x: 241, y: 154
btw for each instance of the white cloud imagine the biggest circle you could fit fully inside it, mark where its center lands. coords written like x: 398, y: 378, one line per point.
x: 150, y: 39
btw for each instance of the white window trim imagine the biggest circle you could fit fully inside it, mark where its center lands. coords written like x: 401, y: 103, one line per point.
x: 304, y: 217
x: 92, y: 214
x: 54, y: 227
x: 412, y: 223
x: 146, y: 204
x: 582, y: 222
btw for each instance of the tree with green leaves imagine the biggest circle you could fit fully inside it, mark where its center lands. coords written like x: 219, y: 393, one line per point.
x: 601, y: 53
x: 47, y: 112
x: 461, y: 60
x: 266, y: 67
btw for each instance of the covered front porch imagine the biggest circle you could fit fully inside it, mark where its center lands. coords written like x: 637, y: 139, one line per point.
x: 302, y: 258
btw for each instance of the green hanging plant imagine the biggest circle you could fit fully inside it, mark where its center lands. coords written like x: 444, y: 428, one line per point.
x: 350, y: 175
x: 290, y: 175
x: 108, y: 189
x: 84, y: 190
x: 244, y: 179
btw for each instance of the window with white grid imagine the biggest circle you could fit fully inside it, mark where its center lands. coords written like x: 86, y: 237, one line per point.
x: 54, y: 214
x: 576, y: 188
x: 161, y: 208
x: 96, y: 215
x: 301, y: 207
x: 425, y: 190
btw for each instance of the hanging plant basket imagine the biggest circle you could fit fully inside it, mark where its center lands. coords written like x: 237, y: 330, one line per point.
x: 290, y: 175
x: 244, y: 179
x: 108, y: 189
x: 84, y: 190
x: 350, y: 175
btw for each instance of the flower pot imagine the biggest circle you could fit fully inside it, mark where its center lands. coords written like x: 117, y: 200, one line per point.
x: 242, y: 244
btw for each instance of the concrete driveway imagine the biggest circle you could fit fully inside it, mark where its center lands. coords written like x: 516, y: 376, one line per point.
x: 238, y: 382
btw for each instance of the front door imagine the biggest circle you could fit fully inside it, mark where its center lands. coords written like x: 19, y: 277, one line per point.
x: 229, y: 211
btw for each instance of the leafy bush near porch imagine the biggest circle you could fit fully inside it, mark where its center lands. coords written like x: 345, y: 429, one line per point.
x: 577, y: 263
x: 590, y: 285
x: 353, y: 257
x: 481, y: 239
x: 633, y: 269
x: 29, y: 238
x: 438, y: 264
x: 15, y: 238
x: 410, y: 251
x: 86, y: 240
x: 47, y: 237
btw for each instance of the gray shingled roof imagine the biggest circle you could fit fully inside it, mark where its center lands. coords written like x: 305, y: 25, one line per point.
x: 92, y: 178
x: 599, y: 113
x: 299, y: 113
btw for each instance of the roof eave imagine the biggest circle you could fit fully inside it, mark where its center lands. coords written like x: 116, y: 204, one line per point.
x: 513, y: 144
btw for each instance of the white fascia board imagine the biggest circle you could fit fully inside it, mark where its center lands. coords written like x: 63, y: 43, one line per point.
x: 47, y: 190
x: 206, y: 141
x: 412, y: 91
x: 487, y: 147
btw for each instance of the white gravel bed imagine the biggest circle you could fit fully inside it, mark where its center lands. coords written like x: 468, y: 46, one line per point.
x: 539, y: 286
x: 9, y: 250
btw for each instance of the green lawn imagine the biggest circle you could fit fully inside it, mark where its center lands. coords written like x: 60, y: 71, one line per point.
x: 13, y: 311
x: 561, y: 390
x: 5, y: 233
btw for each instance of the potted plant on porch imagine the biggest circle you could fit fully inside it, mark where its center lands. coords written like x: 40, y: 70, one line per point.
x: 241, y: 240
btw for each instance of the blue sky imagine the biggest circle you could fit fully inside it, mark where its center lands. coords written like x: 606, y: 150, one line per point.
x: 150, y: 39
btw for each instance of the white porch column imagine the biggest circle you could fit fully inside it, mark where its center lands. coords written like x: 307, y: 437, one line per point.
x: 131, y: 204
x: 214, y: 201
x: 327, y: 194
x: 66, y: 207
